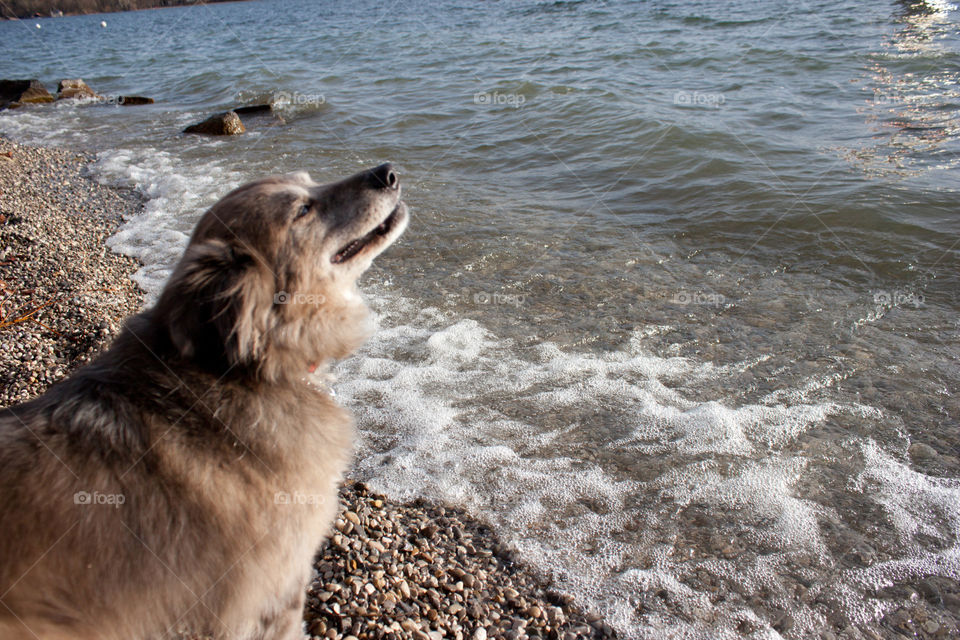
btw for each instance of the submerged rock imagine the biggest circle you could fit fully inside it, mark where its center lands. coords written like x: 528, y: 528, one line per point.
x: 14, y: 93
x: 221, y: 124
x: 921, y: 451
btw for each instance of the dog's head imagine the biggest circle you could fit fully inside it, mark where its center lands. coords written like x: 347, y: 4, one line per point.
x: 267, y: 283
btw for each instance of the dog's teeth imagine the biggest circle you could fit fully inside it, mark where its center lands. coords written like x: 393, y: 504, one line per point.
x: 355, y: 246
x: 349, y: 251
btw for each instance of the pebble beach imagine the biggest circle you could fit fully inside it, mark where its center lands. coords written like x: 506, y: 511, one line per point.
x: 390, y: 570
x: 63, y: 294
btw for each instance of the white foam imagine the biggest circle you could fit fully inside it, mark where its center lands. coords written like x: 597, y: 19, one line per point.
x: 176, y: 195
x: 448, y: 410
x: 761, y: 490
x: 910, y: 497
x: 52, y: 124
x: 916, y: 504
x: 176, y: 192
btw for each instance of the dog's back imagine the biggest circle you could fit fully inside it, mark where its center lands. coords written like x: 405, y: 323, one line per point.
x: 137, y: 499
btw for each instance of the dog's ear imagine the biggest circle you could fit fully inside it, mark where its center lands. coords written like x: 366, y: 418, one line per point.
x: 217, y: 306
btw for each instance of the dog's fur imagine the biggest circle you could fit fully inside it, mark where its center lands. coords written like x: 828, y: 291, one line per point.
x: 182, y: 482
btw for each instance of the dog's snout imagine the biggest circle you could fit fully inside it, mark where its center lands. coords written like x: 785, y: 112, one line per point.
x: 383, y: 177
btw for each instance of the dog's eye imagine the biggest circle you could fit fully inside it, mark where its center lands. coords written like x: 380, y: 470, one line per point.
x: 303, y: 210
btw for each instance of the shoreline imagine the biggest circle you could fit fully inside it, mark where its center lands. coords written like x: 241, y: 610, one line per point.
x: 418, y: 570
x: 118, y: 9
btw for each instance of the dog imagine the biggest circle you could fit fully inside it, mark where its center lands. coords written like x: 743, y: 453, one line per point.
x: 181, y: 483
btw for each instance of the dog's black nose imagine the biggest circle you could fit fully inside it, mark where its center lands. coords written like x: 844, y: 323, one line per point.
x: 384, y: 177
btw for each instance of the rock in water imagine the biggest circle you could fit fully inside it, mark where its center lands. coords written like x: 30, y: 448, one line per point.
x: 222, y: 124
x: 74, y: 88
x: 130, y: 101
x: 14, y: 93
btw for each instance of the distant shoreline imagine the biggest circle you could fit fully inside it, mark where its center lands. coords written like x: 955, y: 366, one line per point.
x: 33, y: 9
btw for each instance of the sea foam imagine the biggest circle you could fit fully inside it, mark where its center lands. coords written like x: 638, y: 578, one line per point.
x: 449, y: 410
x: 176, y: 194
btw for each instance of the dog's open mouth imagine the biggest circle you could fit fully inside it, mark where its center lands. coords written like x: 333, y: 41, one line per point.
x: 354, y: 247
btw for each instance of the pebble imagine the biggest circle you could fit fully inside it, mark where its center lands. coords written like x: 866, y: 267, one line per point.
x: 931, y: 626
x: 921, y: 451
x: 930, y: 592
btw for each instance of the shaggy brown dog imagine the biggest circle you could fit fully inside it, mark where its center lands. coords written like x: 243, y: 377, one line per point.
x: 182, y: 482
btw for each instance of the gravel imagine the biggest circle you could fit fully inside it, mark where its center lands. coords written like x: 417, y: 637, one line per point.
x: 426, y: 571
x: 415, y: 570
x: 63, y: 294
